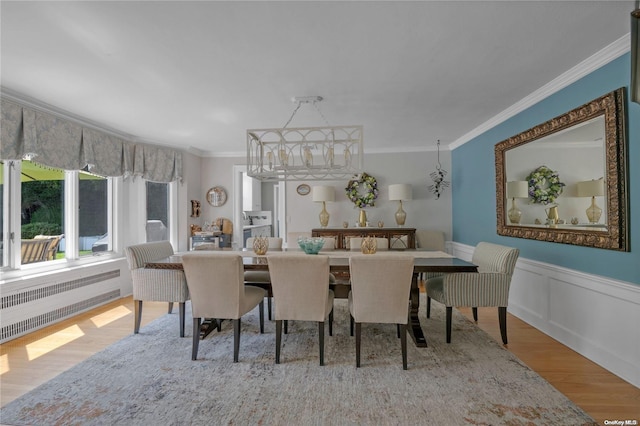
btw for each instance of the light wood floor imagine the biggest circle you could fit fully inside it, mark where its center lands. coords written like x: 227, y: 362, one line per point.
x: 33, y: 359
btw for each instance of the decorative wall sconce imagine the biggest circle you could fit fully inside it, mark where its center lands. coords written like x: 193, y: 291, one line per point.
x: 400, y: 192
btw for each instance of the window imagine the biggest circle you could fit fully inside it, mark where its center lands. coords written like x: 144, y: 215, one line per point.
x: 52, y: 214
x: 157, y: 211
x: 93, y: 216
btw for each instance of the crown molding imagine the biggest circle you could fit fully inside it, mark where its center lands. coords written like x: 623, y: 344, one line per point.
x: 592, y: 63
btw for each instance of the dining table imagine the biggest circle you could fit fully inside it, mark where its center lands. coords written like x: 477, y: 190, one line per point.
x: 423, y: 261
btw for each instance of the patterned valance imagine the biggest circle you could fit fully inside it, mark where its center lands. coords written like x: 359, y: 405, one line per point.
x: 64, y: 144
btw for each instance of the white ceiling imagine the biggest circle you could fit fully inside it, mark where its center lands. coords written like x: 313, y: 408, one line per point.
x: 197, y: 74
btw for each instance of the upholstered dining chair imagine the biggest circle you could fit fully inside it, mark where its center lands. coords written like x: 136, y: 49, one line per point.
x: 155, y: 285
x: 301, y: 292
x: 488, y: 287
x: 355, y: 243
x: 380, y: 285
x: 261, y: 278
x: 216, y: 284
x: 429, y: 239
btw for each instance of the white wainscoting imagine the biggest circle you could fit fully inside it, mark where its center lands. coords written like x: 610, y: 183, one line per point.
x: 597, y: 317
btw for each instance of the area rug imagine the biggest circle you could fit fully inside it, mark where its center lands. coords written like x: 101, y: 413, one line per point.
x: 150, y: 379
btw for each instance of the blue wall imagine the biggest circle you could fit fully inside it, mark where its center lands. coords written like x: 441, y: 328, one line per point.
x: 473, y: 180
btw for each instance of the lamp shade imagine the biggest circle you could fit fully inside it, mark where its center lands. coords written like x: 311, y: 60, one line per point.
x: 518, y: 189
x: 323, y: 193
x: 401, y: 191
x: 591, y: 188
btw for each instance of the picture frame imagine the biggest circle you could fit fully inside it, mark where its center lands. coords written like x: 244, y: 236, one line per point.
x: 303, y: 189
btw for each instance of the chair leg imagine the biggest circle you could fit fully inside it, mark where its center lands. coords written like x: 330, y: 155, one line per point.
x: 321, y: 340
x: 170, y: 307
x: 350, y: 325
x: 286, y: 326
x: 358, y: 338
x: 269, y: 307
x: 196, y: 338
x: 502, y: 318
x: 181, y: 305
x: 403, y: 344
x: 261, y: 308
x: 474, y: 309
x: 449, y: 312
x: 137, y: 315
x: 236, y: 339
x: 278, y: 339
x: 331, y: 322
x: 428, y: 307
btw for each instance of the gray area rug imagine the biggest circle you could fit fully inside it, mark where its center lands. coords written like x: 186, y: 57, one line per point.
x: 149, y: 379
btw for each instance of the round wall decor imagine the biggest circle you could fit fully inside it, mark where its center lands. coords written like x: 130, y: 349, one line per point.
x: 217, y: 196
x: 303, y: 189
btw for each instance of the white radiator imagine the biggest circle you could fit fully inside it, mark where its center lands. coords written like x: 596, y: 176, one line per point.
x: 51, y: 298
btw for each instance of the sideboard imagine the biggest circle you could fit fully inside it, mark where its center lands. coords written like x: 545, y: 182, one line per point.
x: 399, y: 238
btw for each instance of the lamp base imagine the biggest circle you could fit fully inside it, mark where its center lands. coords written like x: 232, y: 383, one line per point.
x: 514, y: 213
x: 324, y: 216
x: 594, y: 212
x: 401, y: 215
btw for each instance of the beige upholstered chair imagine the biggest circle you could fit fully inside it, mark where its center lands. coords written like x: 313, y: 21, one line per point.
x: 155, y: 285
x: 488, y: 287
x: 301, y: 291
x: 430, y: 240
x: 217, y: 290
x: 261, y: 278
x: 355, y: 243
x: 380, y: 285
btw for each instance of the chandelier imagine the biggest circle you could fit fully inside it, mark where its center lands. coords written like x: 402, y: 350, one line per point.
x: 305, y: 153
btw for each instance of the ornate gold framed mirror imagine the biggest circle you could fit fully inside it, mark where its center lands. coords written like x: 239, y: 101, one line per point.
x: 565, y: 180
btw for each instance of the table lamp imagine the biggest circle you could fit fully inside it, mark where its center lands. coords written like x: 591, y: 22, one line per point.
x: 593, y: 189
x: 516, y: 189
x: 400, y: 192
x: 324, y: 194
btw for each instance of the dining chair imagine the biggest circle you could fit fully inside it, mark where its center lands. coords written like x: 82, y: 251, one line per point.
x: 380, y: 285
x: 261, y: 278
x: 217, y: 288
x: 301, y: 292
x: 155, y: 285
x: 355, y: 243
x: 429, y: 239
x: 488, y: 287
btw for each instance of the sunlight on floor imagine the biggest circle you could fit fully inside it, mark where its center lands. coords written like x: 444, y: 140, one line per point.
x: 110, y: 316
x: 4, y: 364
x: 52, y: 342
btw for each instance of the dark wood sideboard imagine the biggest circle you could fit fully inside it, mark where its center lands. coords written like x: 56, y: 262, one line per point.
x: 399, y: 238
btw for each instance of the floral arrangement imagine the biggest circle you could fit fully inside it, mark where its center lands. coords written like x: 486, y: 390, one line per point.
x: 371, y: 190
x: 544, y: 185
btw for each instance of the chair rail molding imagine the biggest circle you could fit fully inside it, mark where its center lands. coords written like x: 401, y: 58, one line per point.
x: 593, y: 315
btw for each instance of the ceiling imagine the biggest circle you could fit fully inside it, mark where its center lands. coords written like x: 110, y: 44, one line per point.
x: 197, y: 75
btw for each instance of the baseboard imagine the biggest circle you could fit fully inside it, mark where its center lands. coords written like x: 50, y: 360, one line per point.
x: 595, y: 316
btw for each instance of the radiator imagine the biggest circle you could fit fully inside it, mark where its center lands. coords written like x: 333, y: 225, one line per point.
x: 34, y: 308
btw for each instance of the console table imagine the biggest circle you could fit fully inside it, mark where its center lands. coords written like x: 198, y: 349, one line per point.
x: 399, y: 238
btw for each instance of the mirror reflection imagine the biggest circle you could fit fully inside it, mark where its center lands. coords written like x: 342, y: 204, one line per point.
x: 565, y: 180
x: 554, y: 180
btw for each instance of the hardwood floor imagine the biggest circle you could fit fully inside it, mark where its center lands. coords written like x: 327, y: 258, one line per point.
x: 33, y: 359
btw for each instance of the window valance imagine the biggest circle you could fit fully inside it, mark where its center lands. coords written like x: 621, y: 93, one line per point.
x: 65, y: 144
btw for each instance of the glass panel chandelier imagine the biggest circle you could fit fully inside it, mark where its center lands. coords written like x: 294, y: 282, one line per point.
x: 305, y: 153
